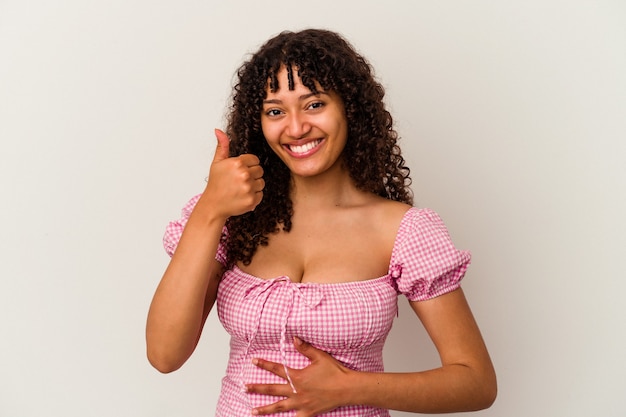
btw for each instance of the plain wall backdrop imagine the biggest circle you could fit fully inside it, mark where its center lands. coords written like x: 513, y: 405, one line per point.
x: 512, y: 117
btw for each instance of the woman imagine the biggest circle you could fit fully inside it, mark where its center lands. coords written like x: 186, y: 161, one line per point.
x: 305, y: 235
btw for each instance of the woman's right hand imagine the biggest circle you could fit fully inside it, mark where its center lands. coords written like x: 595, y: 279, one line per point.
x: 235, y: 185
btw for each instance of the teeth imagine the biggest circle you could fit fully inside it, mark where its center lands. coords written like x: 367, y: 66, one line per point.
x: 304, y: 148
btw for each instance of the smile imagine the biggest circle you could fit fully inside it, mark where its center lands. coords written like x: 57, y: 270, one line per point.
x: 304, y: 148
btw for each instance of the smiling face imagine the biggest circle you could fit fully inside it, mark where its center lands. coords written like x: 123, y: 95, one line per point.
x: 307, y: 131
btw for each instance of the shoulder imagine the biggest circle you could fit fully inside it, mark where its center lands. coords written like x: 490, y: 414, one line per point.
x: 423, y: 234
x: 425, y: 260
x: 422, y: 224
x: 389, y: 213
x: 384, y: 217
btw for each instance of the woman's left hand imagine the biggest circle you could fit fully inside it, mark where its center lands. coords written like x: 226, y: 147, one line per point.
x: 320, y: 387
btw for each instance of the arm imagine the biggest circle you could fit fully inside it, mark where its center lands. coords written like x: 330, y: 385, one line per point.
x: 188, y: 288
x: 185, y: 295
x: 465, y: 381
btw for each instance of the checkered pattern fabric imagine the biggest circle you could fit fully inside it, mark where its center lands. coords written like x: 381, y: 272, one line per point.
x: 348, y: 320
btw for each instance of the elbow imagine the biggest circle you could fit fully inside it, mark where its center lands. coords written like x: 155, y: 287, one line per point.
x: 163, y: 367
x: 488, y: 392
x: 162, y: 362
x: 167, y: 353
x: 489, y: 396
x: 481, y: 389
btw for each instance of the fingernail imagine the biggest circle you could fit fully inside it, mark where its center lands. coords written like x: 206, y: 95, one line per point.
x: 255, y: 361
x: 297, y: 340
x: 254, y: 412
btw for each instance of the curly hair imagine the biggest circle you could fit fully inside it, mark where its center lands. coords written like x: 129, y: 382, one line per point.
x: 325, y: 58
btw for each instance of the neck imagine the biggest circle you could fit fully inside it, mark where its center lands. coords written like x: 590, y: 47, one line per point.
x: 327, y: 190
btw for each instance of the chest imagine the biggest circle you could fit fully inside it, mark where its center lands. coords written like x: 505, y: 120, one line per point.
x: 353, y: 315
x: 332, y: 251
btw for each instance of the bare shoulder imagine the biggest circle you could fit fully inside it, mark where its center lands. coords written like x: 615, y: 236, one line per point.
x: 389, y: 213
x: 386, y: 216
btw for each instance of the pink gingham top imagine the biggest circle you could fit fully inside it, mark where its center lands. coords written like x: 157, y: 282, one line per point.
x: 348, y: 320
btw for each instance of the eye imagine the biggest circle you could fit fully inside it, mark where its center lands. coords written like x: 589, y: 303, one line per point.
x: 316, y: 105
x: 273, y: 112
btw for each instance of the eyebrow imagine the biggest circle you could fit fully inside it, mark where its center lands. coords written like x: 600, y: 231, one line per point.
x: 302, y: 97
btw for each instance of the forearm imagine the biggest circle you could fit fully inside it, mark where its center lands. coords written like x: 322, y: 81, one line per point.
x: 185, y: 294
x: 451, y: 388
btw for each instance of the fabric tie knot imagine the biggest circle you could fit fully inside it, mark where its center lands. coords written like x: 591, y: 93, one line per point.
x: 311, y: 295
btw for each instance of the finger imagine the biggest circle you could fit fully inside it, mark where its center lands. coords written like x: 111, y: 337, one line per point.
x: 250, y: 160
x: 273, y: 367
x: 306, y: 349
x: 259, y: 185
x: 256, y: 172
x: 275, y: 390
x: 223, y: 146
x: 277, y: 407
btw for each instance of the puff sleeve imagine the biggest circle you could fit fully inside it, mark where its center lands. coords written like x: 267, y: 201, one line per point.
x: 425, y: 263
x: 174, y: 231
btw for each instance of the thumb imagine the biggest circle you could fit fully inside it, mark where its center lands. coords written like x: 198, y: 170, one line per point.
x: 223, y: 143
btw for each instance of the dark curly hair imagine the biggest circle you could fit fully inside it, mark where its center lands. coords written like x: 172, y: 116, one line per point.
x: 371, y: 154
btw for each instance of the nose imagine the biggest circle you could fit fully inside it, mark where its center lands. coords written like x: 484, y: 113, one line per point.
x: 298, y: 125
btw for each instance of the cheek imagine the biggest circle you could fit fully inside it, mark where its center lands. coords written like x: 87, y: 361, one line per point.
x: 342, y: 130
x: 270, y: 133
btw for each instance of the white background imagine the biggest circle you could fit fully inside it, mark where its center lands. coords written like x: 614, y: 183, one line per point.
x: 512, y: 117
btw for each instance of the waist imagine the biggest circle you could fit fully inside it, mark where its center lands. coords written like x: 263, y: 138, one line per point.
x: 234, y: 402
x: 369, y: 359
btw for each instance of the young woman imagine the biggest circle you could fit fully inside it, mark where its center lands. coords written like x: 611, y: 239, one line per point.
x: 305, y: 235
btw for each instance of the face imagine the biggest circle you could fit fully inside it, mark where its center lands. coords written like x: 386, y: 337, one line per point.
x: 307, y: 131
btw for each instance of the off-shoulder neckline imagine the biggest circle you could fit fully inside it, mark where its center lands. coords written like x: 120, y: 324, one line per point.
x: 369, y: 281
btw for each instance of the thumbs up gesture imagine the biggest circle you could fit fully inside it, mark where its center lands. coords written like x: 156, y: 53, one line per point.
x: 235, y: 185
